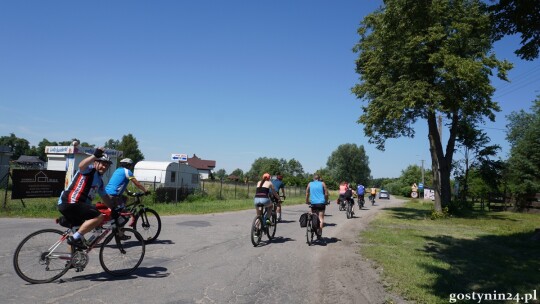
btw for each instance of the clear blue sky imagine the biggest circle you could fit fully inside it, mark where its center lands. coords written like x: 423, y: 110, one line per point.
x: 230, y: 81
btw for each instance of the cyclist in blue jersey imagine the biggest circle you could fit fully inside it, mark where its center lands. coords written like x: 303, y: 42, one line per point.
x: 360, y: 192
x: 75, y: 202
x: 317, y: 196
x: 278, y: 184
x: 120, y: 180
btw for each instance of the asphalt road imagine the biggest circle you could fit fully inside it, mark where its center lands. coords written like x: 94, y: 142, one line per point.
x: 210, y: 259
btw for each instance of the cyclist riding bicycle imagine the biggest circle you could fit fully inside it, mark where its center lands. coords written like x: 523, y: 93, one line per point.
x: 120, y: 180
x: 75, y: 202
x: 360, y: 193
x: 372, y: 195
x: 264, y: 190
x: 317, y: 196
x: 348, y: 196
x: 278, y: 184
x: 343, y: 186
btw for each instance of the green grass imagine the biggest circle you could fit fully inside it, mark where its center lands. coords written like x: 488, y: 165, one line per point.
x: 426, y: 260
x: 46, y: 207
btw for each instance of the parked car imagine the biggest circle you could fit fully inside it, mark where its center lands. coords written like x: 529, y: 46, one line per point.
x: 384, y: 194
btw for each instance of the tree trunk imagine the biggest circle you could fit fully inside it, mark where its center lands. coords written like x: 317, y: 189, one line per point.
x: 441, y: 165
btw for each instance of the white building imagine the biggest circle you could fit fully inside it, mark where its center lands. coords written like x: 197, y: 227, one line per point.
x: 167, y: 174
x: 67, y: 158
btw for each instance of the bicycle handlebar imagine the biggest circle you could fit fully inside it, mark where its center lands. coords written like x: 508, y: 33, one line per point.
x: 137, y: 194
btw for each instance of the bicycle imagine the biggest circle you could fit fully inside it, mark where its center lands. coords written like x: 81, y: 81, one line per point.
x: 259, y: 225
x: 149, y: 225
x: 350, y: 204
x: 361, y: 202
x: 311, y: 230
x: 42, y: 256
x: 341, y: 203
x: 372, y: 199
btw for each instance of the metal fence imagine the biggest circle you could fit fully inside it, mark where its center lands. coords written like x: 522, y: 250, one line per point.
x: 238, y: 190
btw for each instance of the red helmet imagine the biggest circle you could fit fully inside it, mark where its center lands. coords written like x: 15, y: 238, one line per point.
x: 266, y: 176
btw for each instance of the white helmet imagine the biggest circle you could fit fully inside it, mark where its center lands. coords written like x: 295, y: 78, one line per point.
x: 126, y: 161
x: 105, y: 158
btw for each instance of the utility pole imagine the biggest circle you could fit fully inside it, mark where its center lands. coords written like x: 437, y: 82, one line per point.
x: 422, y: 171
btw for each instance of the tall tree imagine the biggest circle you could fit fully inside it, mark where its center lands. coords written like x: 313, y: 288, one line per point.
x: 350, y: 163
x: 512, y: 17
x: 130, y: 147
x: 421, y: 59
x: 19, y: 146
x: 524, y: 161
x: 264, y: 165
x: 476, y: 152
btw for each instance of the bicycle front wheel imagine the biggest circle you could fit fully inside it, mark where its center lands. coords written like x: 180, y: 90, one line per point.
x: 148, y: 224
x: 121, y: 255
x: 256, y: 231
x: 41, y: 257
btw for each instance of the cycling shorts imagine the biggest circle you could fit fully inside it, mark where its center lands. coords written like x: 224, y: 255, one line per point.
x: 320, y: 207
x: 77, y: 213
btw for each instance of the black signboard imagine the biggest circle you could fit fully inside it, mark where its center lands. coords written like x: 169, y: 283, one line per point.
x: 37, y: 183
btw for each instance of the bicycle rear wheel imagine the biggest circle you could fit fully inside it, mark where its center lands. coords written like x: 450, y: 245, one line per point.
x: 148, y: 224
x: 256, y: 231
x: 120, y: 256
x: 310, y: 232
x: 271, y: 231
x: 349, y: 210
x: 41, y: 257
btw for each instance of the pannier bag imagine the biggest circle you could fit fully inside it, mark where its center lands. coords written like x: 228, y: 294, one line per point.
x: 303, y: 220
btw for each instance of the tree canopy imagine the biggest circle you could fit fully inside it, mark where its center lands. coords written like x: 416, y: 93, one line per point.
x: 421, y: 59
x: 349, y: 163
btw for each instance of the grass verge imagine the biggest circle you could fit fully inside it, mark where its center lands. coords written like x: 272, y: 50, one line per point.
x: 429, y: 261
x: 47, y: 207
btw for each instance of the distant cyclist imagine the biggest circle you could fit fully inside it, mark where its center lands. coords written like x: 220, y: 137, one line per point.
x: 317, y: 196
x: 120, y: 180
x: 373, y: 194
x: 343, y: 186
x: 278, y: 184
x: 360, y: 192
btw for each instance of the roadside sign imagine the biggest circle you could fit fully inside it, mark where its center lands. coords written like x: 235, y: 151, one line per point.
x: 420, y: 186
x: 179, y: 157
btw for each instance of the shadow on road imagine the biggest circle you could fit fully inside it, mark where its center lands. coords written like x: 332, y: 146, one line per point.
x: 162, y: 242
x: 281, y: 240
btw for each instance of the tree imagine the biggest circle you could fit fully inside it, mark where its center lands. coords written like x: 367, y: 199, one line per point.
x: 511, y: 17
x: 476, y: 153
x: 294, y: 168
x: 524, y: 162
x: 238, y: 173
x: 112, y: 144
x: 19, y: 146
x: 264, y: 165
x: 349, y: 163
x: 421, y: 59
x: 130, y: 147
x: 221, y: 173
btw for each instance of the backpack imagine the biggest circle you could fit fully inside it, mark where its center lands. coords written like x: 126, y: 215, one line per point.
x: 303, y: 220
x: 360, y: 190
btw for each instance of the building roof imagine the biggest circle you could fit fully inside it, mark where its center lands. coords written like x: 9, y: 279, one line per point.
x: 201, y: 164
x: 25, y: 159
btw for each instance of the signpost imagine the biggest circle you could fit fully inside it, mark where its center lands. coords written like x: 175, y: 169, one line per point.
x: 176, y: 157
